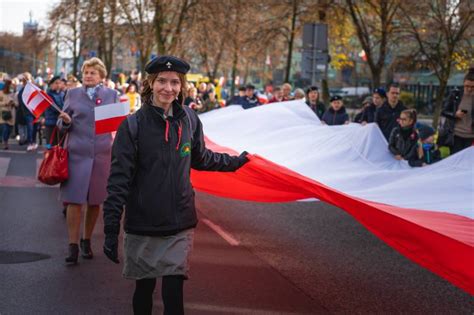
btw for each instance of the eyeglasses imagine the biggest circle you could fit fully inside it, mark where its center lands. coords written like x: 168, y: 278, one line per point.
x: 469, y: 87
x: 404, y: 119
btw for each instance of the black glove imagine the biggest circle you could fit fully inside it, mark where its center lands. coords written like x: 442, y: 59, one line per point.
x: 243, y: 158
x: 111, y: 247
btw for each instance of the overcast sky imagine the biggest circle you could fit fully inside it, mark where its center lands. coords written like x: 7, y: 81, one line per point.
x: 14, y: 12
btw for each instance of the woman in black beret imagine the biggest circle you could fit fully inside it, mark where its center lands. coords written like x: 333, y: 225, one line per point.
x: 153, y: 152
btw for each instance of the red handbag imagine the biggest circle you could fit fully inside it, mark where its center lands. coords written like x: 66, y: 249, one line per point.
x: 54, y: 167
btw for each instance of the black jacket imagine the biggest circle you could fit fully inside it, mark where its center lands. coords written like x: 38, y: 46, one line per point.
x: 332, y: 117
x: 317, y: 108
x: 387, y: 117
x: 451, y: 104
x: 249, y: 102
x: 154, y: 183
x: 368, y: 114
x: 404, y: 143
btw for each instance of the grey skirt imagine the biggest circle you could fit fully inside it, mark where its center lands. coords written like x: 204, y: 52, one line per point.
x: 157, y: 256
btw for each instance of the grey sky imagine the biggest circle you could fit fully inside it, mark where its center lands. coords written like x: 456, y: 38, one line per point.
x: 14, y: 12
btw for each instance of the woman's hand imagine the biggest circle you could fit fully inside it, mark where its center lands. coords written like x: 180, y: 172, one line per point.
x: 398, y: 157
x: 65, y: 117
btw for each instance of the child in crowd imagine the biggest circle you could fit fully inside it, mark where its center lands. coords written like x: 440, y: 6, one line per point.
x: 428, y: 151
x: 403, y: 140
x: 336, y: 114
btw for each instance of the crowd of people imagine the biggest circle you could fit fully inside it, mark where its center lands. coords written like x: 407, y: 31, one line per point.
x: 383, y: 107
x: 146, y: 170
x: 408, y: 139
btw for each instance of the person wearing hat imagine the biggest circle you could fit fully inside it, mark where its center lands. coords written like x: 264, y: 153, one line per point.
x: 387, y: 115
x: 51, y: 114
x: 153, y: 153
x: 336, y: 114
x: 312, y: 100
x: 428, y: 151
x: 250, y: 100
x: 370, y: 106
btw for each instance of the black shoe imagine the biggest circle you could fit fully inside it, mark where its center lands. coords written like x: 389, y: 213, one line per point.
x: 86, y: 251
x: 65, y: 211
x: 73, y: 254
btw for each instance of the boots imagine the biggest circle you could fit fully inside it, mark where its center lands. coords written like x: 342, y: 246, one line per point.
x: 86, y: 251
x: 73, y: 254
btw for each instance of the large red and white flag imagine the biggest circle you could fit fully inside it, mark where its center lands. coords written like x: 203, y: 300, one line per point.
x: 425, y: 213
x: 108, y: 117
x: 35, y: 99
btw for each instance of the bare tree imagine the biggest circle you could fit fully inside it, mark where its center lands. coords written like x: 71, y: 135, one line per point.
x: 66, y: 17
x: 171, y: 18
x: 440, y: 28
x: 375, y: 24
x: 139, y: 17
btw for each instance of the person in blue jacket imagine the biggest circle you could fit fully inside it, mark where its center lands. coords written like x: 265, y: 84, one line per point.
x: 51, y: 114
x: 336, y: 114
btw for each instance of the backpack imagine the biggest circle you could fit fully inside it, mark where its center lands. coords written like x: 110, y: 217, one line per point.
x: 133, y: 125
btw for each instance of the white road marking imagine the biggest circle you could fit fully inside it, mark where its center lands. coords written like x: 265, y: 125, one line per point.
x: 224, y: 234
x: 4, y: 163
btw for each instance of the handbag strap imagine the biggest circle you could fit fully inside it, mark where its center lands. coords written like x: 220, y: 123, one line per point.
x: 52, y: 135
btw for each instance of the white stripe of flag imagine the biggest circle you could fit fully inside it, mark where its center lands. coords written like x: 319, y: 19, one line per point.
x: 108, y: 117
x: 35, y: 99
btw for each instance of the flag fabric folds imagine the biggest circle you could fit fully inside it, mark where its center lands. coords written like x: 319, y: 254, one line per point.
x: 35, y: 99
x: 108, y: 117
x: 424, y: 213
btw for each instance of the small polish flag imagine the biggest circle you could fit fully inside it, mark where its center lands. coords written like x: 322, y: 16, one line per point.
x: 108, y: 117
x: 35, y: 99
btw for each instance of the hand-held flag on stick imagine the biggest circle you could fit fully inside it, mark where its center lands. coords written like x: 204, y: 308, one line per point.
x: 36, y: 100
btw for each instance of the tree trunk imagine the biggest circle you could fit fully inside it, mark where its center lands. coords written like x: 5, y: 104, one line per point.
x: 443, y: 83
x: 158, y: 24
x: 291, y: 41
x: 234, y: 72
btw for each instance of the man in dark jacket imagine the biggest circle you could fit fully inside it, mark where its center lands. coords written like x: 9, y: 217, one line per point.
x: 239, y: 98
x: 336, y: 114
x: 459, y: 114
x: 387, y: 115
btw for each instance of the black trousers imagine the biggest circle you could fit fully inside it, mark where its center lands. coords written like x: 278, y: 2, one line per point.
x: 461, y: 143
x: 171, y: 293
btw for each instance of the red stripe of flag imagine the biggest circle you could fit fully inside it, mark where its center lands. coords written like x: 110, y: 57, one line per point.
x: 108, y: 125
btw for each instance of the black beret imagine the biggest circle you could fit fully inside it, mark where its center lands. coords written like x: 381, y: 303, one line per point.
x: 425, y: 131
x: 336, y: 98
x: 250, y: 87
x: 167, y: 63
x: 53, y: 79
x: 380, y: 91
x: 312, y: 88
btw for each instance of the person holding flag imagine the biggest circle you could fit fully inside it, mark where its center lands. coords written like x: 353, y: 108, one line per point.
x: 89, y: 155
x: 153, y: 153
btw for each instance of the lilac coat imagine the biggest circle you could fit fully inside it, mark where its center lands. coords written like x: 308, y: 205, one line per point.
x: 89, y: 155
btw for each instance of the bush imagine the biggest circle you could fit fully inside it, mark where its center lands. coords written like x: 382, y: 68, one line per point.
x: 408, y: 99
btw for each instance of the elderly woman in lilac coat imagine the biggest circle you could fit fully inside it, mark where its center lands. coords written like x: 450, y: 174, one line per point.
x: 89, y: 156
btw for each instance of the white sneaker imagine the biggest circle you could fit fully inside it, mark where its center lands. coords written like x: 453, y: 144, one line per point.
x: 35, y: 146
x: 29, y: 147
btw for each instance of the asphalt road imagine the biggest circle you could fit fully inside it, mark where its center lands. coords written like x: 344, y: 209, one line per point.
x: 248, y: 258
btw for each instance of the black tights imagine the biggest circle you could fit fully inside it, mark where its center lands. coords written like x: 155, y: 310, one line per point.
x: 171, y: 293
